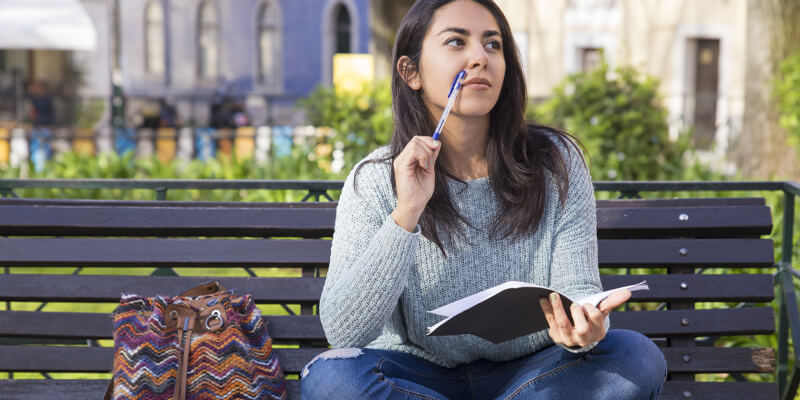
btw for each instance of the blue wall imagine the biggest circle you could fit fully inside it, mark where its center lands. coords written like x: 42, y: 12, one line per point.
x: 302, y: 42
x: 302, y: 22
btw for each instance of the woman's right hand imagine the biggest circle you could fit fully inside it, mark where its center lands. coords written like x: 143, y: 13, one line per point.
x: 414, y: 178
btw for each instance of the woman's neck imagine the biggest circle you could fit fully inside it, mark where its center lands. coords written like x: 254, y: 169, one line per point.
x: 465, y: 141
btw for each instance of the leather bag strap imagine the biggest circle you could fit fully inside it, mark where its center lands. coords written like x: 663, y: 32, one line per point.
x: 204, y: 289
x: 109, y: 390
x: 185, y: 331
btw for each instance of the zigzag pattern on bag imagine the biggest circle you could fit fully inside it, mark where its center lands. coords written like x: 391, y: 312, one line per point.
x: 235, y: 362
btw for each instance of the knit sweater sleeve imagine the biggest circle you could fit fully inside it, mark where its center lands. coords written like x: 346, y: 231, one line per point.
x: 370, y: 260
x: 574, y: 268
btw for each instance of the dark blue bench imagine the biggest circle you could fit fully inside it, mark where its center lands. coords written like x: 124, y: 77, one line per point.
x: 671, y: 243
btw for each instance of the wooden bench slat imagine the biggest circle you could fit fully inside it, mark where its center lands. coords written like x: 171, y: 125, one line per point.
x: 95, y: 388
x: 720, y: 359
x: 721, y: 222
x: 674, y: 390
x: 97, y: 203
x: 166, y: 221
x: 40, y: 389
x: 740, y: 321
x: 294, y: 360
x: 63, y: 389
x: 99, y: 325
x: 693, y: 202
x: 713, y: 322
x: 89, y: 252
x: 756, y: 253
x: 56, y: 359
x: 316, y: 252
x: 754, y: 288
x: 154, y: 219
x: 99, y: 359
x: 99, y: 288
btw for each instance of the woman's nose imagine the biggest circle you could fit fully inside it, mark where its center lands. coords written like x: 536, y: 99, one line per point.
x: 478, y: 56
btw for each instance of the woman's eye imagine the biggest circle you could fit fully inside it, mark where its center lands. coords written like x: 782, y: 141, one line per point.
x: 495, y: 45
x: 454, y: 42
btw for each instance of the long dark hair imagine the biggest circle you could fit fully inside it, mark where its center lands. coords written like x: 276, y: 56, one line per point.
x: 519, y: 153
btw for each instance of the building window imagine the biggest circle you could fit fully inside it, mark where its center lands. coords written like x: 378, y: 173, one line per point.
x: 154, y: 38
x: 340, y: 27
x: 207, y: 42
x: 269, y: 43
x: 591, y: 58
x: 343, y: 28
x: 706, y: 91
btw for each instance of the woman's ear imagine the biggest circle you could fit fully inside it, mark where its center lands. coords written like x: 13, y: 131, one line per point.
x: 408, y: 71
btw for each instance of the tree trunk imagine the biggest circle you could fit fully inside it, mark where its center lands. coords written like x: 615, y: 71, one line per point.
x: 761, y: 151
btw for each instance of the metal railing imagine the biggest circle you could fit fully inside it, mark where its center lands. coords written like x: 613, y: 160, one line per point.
x: 788, y: 315
x: 315, y: 189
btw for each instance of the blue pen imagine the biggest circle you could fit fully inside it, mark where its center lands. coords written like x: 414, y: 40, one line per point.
x: 451, y: 98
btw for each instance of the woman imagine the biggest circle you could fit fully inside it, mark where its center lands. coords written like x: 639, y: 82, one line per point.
x: 422, y: 223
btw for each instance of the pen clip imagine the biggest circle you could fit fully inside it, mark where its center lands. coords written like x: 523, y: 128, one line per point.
x: 458, y: 78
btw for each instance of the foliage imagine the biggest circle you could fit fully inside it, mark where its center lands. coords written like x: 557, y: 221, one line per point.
x: 89, y: 112
x: 295, y: 166
x: 788, y: 97
x: 362, y: 120
x: 619, y: 117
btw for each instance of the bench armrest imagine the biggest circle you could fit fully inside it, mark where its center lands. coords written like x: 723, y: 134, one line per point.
x: 789, y: 322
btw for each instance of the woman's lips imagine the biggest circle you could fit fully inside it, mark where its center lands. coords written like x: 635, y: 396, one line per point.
x: 477, y: 83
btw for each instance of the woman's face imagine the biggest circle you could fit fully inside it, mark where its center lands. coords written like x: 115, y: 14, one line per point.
x: 463, y: 35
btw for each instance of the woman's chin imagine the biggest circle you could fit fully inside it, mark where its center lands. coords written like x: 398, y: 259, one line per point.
x: 473, y: 111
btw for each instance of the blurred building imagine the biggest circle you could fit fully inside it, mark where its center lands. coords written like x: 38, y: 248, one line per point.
x: 191, y: 54
x: 698, y: 49
x: 264, y: 53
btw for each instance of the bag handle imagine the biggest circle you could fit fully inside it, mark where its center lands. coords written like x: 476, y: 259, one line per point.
x: 204, y: 289
x: 109, y: 390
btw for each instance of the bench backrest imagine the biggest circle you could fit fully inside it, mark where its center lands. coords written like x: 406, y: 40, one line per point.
x: 668, y: 242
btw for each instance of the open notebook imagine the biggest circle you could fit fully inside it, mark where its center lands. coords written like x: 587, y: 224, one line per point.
x: 507, y: 311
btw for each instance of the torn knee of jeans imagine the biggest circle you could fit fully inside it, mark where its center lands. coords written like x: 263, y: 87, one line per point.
x: 348, y: 352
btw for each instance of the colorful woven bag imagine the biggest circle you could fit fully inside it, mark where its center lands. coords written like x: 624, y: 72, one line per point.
x: 204, y: 344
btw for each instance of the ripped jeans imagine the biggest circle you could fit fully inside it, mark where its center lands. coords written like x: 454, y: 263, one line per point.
x: 624, y: 365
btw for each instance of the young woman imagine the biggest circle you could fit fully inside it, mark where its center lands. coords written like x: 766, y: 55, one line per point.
x: 422, y: 223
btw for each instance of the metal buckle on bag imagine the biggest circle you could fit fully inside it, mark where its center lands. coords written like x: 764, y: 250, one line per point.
x: 214, y: 316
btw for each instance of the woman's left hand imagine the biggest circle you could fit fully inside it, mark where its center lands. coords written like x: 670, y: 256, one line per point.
x: 589, y: 320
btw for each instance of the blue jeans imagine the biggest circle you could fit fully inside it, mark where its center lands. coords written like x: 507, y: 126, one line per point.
x: 624, y: 365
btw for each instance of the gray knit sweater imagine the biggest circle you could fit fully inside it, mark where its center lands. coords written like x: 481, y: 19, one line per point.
x: 383, y: 280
